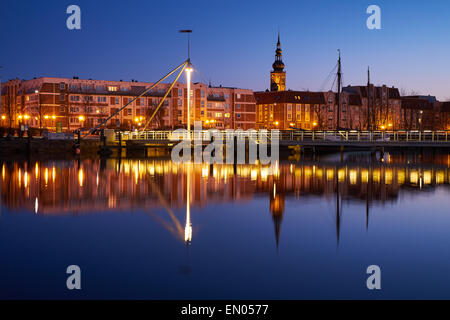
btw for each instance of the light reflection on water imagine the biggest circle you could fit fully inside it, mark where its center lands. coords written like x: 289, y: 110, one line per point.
x: 155, y: 213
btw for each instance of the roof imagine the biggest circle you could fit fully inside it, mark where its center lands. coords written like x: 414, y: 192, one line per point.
x: 393, y: 93
x: 305, y: 97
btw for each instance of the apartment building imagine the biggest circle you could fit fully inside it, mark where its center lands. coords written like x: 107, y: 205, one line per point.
x: 289, y: 109
x: 63, y: 104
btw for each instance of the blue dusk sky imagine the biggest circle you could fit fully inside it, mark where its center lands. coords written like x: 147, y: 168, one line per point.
x: 233, y: 42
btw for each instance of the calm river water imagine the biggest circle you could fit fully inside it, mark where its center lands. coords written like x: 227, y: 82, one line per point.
x: 152, y: 229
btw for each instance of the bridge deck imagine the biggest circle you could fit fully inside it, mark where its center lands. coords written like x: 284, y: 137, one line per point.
x: 363, y: 139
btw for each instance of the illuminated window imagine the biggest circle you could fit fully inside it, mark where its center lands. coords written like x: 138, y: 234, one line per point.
x: 112, y: 89
x: 218, y: 115
x: 227, y: 115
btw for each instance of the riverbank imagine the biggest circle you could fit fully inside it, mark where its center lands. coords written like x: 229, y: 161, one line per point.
x: 46, y: 149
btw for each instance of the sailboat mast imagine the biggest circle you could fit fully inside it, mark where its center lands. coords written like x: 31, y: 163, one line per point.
x: 339, y: 76
x: 368, y: 99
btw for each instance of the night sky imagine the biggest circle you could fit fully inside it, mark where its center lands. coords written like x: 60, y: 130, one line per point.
x: 233, y: 43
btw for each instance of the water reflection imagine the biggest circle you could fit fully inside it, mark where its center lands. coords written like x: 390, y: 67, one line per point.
x: 95, y: 186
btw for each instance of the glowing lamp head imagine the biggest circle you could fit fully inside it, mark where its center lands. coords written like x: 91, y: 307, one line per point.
x: 3, y: 117
x: 315, y: 124
x: 81, y: 118
x: 45, y: 117
x: 53, y: 117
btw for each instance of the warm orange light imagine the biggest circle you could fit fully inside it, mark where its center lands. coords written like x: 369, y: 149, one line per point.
x: 276, y: 123
x: 390, y: 124
x: 136, y: 119
x: 26, y: 117
x: 53, y: 117
x: 207, y: 121
x: 20, y: 117
x: 81, y: 118
x: 3, y: 117
x: 291, y: 124
x: 315, y: 124
x: 45, y: 117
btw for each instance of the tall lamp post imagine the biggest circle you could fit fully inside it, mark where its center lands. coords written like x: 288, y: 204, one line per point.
x: 188, y: 80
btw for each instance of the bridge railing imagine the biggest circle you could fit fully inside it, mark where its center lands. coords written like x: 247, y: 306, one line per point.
x: 294, y: 135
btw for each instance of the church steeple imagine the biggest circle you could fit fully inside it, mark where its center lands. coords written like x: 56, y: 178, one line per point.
x: 278, y: 75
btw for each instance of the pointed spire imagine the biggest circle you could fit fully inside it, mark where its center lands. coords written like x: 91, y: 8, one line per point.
x: 279, y: 42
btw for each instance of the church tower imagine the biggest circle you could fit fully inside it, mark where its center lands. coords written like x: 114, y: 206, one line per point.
x: 278, y: 75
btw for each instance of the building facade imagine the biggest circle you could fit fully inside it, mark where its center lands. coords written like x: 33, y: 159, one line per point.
x: 63, y: 104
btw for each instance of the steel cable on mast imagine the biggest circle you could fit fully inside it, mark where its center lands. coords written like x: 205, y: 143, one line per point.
x: 165, y: 96
x: 137, y: 97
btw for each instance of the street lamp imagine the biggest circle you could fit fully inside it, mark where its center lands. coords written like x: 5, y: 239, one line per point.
x: 188, y: 82
x: 188, y: 79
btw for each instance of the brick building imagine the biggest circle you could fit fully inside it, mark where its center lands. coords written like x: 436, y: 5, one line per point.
x: 70, y: 104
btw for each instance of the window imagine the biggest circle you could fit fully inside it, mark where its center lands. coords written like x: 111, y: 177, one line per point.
x: 180, y: 102
x: 180, y: 112
x: 101, y: 99
x: 227, y: 115
x: 62, y: 97
x: 238, y: 115
x: 116, y: 100
x: 129, y: 111
x: 180, y: 92
x: 74, y: 98
x: 74, y: 87
x: 112, y: 89
x: 218, y: 115
x: 203, y: 94
x: 289, y: 107
x: 227, y: 96
x: 88, y: 98
x: 203, y: 103
x: 238, y: 106
x: 62, y: 86
x: 238, y: 96
x: 100, y: 88
x: 142, y: 102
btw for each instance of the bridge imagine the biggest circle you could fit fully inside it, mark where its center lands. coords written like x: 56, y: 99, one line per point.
x: 337, y: 138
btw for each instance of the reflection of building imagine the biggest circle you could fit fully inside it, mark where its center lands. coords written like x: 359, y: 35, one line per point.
x: 96, y: 186
x: 68, y: 187
x: 277, y: 210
